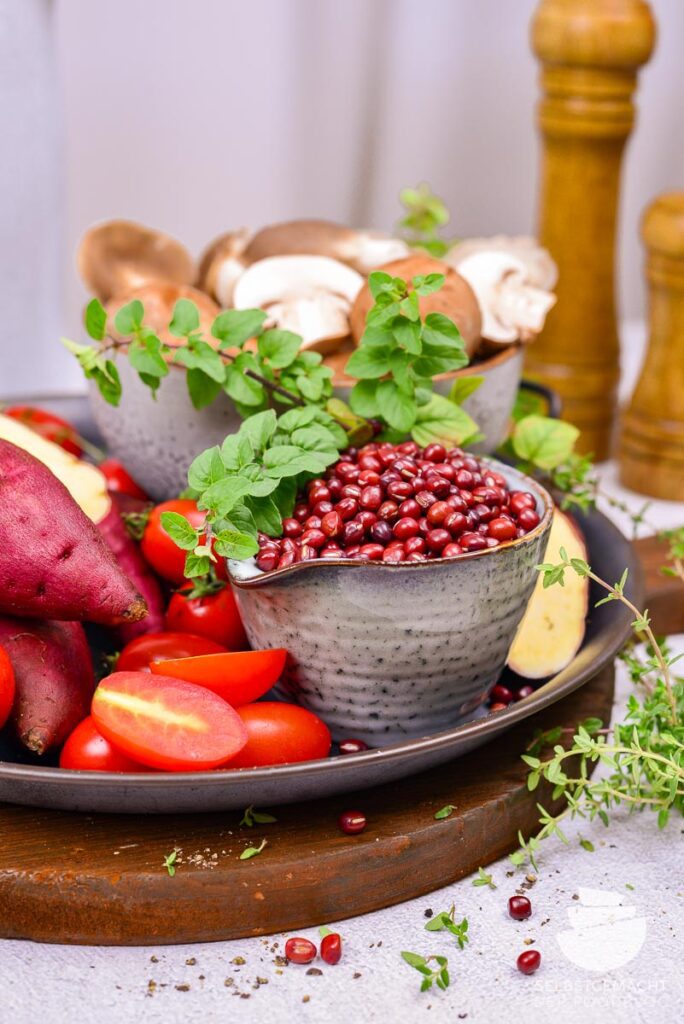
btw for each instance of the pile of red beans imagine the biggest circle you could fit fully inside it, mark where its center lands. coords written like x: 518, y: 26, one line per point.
x: 400, y: 503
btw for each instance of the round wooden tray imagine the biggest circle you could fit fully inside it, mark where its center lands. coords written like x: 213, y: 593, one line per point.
x: 101, y: 879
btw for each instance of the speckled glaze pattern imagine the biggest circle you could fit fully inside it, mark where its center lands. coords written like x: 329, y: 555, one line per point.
x: 492, y: 404
x: 157, y: 440
x: 385, y: 652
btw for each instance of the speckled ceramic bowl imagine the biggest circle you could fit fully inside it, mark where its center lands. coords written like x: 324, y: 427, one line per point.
x: 490, y: 406
x: 157, y: 439
x: 388, y: 651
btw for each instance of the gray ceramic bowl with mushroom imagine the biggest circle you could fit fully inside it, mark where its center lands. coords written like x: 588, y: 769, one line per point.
x: 383, y: 652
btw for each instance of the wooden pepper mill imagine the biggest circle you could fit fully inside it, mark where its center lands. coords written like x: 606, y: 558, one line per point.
x: 652, y: 436
x: 590, y: 52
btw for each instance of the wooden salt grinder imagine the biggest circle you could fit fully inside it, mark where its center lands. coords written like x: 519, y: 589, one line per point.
x: 651, y: 453
x: 590, y: 52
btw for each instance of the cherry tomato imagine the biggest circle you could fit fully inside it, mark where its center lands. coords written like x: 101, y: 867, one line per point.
x: 167, y: 723
x: 51, y: 427
x: 214, y: 615
x: 280, y: 734
x: 7, y: 687
x: 239, y: 677
x: 87, y: 750
x: 139, y: 654
x: 157, y: 547
x: 119, y: 479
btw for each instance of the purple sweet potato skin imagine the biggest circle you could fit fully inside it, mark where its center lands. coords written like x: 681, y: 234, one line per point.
x: 130, y: 560
x: 54, y: 678
x: 54, y: 563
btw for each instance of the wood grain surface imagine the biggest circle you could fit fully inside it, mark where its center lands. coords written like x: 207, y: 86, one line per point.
x: 590, y: 52
x: 101, y: 879
x: 651, y: 455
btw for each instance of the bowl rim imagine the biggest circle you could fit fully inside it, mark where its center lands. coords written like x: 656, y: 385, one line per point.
x: 252, y: 582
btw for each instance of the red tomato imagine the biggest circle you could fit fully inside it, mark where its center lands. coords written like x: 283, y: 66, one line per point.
x: 280, y: 734
x: 119, y: 479
x: 87, y: 750
x: 7, y: 687
x: 167, y: 723
x: 51, y: 427
x: 239, y: 677
x: 214, y: 615
x: 157, y: 547
x: 139, y: 654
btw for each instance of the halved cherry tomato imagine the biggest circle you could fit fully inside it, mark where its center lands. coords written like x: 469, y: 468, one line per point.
x: 119, y: 479
x: 87, y: 750
x: 214, y: 615
x: 7, y: 687
x: 167, y: 723
x: 280, y: 734
x: 240, y: 677
x: 159, y: 550
x: 138, y: 655
x: 48, y: 425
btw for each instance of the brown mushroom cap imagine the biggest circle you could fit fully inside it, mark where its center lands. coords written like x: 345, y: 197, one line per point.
x: 119, y: 255
x: 456, y: 299
x: 159, y: 298
x: 360, y: 249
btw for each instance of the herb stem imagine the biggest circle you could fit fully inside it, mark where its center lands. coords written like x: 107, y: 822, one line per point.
x: 662, y: 664
x: 277, y: 389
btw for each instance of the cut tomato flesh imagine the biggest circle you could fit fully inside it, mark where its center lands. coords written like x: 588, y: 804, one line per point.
x: 240, y: 677
x: 167, y: 723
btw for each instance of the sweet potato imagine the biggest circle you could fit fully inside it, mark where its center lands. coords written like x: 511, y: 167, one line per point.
x: 127, y: 554
x: 54, y: 563
x: 54, y: 679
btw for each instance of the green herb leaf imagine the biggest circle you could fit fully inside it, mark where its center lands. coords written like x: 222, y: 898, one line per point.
x: 185, y: 318
x: 234, y: 327
x: 442, y: 421
x: 445, y: 812
x: 252, y: 851
x: 170, y: 862
x: 396, y: 406
x: 130, y: 317
x: 180, y: 531
x: 279, y: 347
x: 483, y: 878
x: 366, y: 363
x: 96, y: 319
x: 250, y: 817
x: 544, y: 442
x: 464, y: 387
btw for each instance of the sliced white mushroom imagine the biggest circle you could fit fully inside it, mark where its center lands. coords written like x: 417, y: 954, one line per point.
x: 512, y: 308
x: 221, y: 264
x: 363, y: 250
x: 541, y: 267
x: 311, y: 295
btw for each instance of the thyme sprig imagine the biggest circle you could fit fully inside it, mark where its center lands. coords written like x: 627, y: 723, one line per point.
x: 643, y: 755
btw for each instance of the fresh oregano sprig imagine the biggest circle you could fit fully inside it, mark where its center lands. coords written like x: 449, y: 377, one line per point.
x: 249, y: 483
x: 276, y: 371
x: 399, y: 355
x: 425, y: 215
x: 644, y: 754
